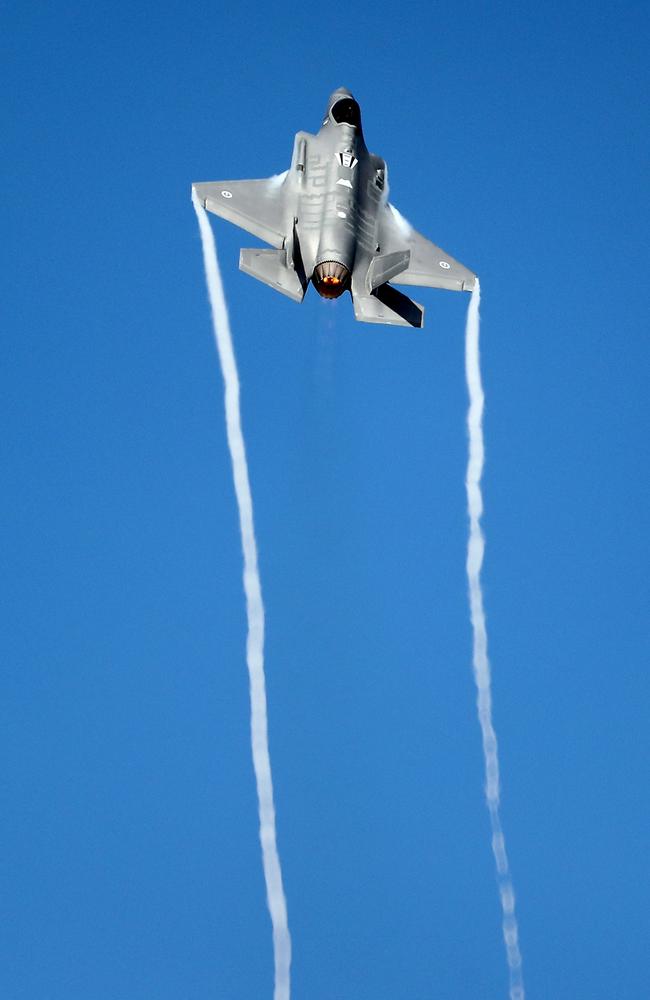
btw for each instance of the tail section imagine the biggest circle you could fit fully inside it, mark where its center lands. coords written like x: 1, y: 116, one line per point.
x: 271, y: 267
x: 387, y: 305
x: 386, y: 266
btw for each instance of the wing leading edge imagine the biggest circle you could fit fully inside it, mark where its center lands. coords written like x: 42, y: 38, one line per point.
x: 256, y: 206
x: 429, y: 265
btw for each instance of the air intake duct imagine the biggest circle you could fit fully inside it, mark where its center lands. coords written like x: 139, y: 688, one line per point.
x: 330, y: 279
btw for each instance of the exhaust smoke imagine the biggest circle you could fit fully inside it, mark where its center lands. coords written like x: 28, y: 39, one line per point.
x: 481, y: 664
x: 255, y: 613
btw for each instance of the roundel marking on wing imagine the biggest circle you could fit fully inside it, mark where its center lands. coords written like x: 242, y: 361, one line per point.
x: 443, y: 263
x: 226, y: 194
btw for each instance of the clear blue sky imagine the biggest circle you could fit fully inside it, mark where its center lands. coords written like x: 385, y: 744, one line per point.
x: 516, y: 138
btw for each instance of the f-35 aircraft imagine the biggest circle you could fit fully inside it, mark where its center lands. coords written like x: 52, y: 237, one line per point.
x: 330, y: 222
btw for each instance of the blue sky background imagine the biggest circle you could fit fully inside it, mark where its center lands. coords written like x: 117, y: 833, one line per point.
x: 516, y: 138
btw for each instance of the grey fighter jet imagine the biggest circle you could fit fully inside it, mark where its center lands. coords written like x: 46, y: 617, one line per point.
x: 329, y: 219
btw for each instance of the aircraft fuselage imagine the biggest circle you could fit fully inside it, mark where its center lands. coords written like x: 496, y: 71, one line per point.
x: 329, y: 221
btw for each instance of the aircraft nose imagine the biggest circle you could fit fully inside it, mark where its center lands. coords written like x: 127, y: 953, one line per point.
x: 337, y: 94
x: 343, y: 108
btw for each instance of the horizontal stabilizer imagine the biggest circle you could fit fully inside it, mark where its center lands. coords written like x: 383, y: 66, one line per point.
x: 270, y: 266
x: 387, y: 305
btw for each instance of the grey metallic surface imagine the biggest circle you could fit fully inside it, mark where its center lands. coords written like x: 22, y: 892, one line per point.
x: 330, y: 211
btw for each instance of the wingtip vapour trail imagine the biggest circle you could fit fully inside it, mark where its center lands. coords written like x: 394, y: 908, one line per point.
x: 481, y: 663
x: 255, y: 613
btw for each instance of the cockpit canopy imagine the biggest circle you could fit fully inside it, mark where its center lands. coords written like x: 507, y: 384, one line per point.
x: 346, y: 112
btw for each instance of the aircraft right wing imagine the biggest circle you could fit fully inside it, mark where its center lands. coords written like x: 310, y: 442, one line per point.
x: 256, y: 206
x: 429, y: 265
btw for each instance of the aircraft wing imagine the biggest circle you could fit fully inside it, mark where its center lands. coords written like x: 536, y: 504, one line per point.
x: 429, y: 265
x: 256, y: 206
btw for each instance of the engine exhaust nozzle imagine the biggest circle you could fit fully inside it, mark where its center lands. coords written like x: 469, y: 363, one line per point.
x: 330, y: 279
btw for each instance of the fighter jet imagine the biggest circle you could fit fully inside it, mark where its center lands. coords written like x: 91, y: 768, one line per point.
x: 329, y: 219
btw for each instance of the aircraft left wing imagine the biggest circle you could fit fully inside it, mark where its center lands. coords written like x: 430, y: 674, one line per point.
x: 256, y: 206
x: 429, y: 265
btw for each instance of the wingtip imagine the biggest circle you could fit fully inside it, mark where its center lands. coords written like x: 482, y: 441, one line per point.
x: 196, y: 198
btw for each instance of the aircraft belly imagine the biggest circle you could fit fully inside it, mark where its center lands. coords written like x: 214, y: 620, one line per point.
x: 337, y: 242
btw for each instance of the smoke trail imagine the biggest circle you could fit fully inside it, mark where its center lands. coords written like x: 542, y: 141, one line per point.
x: 255, y: 611
x: 475, y: 550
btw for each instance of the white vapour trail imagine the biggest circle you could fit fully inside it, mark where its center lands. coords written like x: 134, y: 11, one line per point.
x: 475, y: 550
x: 255, y: 611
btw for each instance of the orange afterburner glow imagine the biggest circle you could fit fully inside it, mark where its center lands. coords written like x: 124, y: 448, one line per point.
x: 330, y: 279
